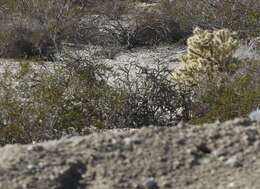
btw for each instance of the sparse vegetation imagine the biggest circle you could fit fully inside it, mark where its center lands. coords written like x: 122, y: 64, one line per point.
x: 237, y: 15
x: 223, y: 87
x: 235, y: 96
x: 40, y: 100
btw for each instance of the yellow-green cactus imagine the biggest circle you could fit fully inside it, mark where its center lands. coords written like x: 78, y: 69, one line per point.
x: 208, y: 52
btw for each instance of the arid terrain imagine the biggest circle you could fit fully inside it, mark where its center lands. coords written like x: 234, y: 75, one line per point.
x: 119, y: 94
x: 219, y: 155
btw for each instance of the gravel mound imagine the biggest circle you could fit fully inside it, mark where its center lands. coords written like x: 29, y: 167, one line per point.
x: 219, y: 155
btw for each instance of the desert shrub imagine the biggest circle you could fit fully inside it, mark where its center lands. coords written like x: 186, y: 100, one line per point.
x: 23, y: 42
x: 208, y: 53
x: 151, y: 97
x: 105, y: 23
x: 40, y: 102
x: 152, y: 28
x: 236, y: 96
x: 249, y: 49
x: 237, y: 15
x: 39, y: 27
x: 123, y: 23
x: 116, y: 23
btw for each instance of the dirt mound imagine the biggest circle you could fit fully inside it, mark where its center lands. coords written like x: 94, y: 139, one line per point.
x: 220, y: 155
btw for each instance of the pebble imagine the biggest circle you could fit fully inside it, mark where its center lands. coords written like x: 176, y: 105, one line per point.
x: 35, y: 148
x: 233, y: 162
x: 219, y: 152
x: 132, y: 140
x: 150, y: 183
x: 250, y: 136
x: 205, y: 161
x: 181, y: 141
x: 242, y: 122
x: 257, y: 145
x: 231, y: 185
x: 167, y: 184
x: 32, y: 167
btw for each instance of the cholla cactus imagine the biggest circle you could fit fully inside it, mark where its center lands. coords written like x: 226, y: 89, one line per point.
x: 208, y: 52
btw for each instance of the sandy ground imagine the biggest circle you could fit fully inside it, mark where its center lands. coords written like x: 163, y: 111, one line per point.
x: 219, y: 155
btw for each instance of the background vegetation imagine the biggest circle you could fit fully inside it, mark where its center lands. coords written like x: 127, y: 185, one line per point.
x: 44, y: 96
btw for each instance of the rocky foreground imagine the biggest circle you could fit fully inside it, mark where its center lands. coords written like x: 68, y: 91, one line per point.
x: 219, y: 155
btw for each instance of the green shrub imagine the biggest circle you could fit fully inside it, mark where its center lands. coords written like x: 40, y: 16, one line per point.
x: 235, y: 96
x: 39, y: 104
x: 41, y: 101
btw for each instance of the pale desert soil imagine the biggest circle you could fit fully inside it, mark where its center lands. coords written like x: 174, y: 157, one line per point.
x: 220, y: 155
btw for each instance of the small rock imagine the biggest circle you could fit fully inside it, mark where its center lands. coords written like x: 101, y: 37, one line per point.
x: 31, y: 167
x: 212, y: 172
x: 167, y: 184
x: 233, y: 162
x: 257, y: 145
x: 231, y: 185
x: 150, y: 183
x: 181, y: 124
x: 193, y: 161
x: 214, y: 134
x: 35, y: 148
x: 250, y: 136
x: 242, y: 122
x: 219, y: 152
x: 137, y: 186
x: 205, y: 161
x: 222, y: 158
x: 132, y: 140
x: 181, y: 141
x: 191, y: 151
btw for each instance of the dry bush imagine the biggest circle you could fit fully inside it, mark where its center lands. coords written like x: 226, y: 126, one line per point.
x: 151, y: 96
x: 122, y: 23
x: 41, y: 102
x: 151, y: 28
x: 48, y: 101
x: 237, y: 15
x: 236, y: 96
x: 39, y: 26
x: 49, y: 24
x: 21, y: 41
